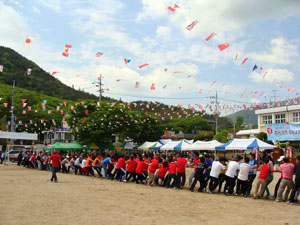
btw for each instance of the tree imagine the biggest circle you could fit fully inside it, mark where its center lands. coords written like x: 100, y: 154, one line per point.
x: 262, y: 136
x: 204, y: 136
x: 222, y: 136
x: 239, y: 123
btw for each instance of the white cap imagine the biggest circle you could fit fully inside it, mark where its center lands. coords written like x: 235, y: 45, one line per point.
x: 281, y: 158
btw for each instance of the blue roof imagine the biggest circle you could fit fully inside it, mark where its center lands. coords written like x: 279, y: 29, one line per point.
x: 222, y: 147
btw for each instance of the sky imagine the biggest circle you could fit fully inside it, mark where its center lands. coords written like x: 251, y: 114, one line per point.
x: 145, y: 31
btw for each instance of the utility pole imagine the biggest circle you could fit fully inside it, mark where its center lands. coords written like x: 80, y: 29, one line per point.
x: 216, y: 109
x: 274, y: 95
x: 12, y: 119
x: 100, y: 85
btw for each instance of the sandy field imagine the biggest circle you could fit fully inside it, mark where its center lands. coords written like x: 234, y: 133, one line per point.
x: 28, y: 197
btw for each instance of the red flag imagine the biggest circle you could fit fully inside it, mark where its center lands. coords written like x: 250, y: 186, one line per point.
x: 141, y: 66
x: 98, y: 54
x: 5, y: 104
x: 265, y: 74
x: 152, y: 87
x: 244, y: 60
x: 53, y: 73
x: 137, y: 84
x: 66, y: 50
x: 166, y: 69
x: 223, y: 46
x: 213, y: 83
x: 28, y: 40
x: 175, y: 6
x: 210, y: 36
x: 171, y: 9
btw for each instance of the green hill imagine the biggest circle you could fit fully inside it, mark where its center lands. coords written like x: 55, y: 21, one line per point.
x: 248, y: 115
x: 15, y: 67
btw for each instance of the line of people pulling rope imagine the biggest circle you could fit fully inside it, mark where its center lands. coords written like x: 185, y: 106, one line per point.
x: 170, y: 172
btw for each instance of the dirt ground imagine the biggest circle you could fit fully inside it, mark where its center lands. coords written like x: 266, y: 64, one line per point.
x: 28, y: 197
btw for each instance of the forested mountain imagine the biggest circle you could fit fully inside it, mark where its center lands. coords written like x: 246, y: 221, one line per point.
x: 15, y: 68
x: 248, y: 115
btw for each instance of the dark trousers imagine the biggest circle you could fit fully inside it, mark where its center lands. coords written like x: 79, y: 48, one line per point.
x: 116, y: 174
x: 98, y: 170
x: 222, y: 179
x: 139, y: 177
x: 91, y: 171
x: 181, y: 177
x: 202, y: 181
x: 250, y: 181
x: 19, y: 162
x: 277, y: 187
x: 169, y: 178
x: 230, y: 183
x: 63, y: 169
x: 241, y: 186
x: 109, y: 171
x: 213, y: 183
x: 295, y: 189
x: 76, y: 170
x: 54, y: 170
x: 157, y: 178
x: 130, y: 175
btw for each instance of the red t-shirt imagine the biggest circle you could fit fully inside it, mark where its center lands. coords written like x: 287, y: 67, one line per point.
x: 121, y: 163
x: 140, y: 166
x: 162, y: 171
x: 181, y: 165
x: 263, y: 172
x: 131, y: 166
x: 145, y: 168
x: 153, y: 167
x: 196, y: 161
x: 111, y: 164
x: 55, y: 160
x: 172, y: 167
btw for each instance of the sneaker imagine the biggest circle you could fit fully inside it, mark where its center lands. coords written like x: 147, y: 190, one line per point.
x: 277, y: 200
x: 236, y: 194
x: 209, y: 191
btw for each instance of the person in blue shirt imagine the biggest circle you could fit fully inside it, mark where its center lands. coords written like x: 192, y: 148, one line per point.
x: 252, y: 174
x: 104, y: 164
x: 208, y: 163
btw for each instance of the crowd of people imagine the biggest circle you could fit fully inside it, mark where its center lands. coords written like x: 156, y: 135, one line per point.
x: 237, y: 175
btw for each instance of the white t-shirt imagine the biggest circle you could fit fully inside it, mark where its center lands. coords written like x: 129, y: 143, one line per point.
x: 244, y: 171
x: 233, y: 166
x: 77, y: 162
x: 83, y: 163
x: 216, y: 168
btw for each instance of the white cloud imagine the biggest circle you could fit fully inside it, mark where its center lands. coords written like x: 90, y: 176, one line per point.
x: 163, y: 31
x: 272, y: 75
x: 36, y: 10
x: 153, y: 9
x: 281, y: 52
x: 53, y: 4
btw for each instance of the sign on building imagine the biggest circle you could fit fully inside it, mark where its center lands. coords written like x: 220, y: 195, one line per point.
x: 283, y: 132
x: 20, y: 136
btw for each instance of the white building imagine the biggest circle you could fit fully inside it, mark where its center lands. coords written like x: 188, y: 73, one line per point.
x: 284, y: 114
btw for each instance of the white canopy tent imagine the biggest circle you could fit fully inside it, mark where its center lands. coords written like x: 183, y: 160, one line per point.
x: 182, y: 146
x: 168, y: 147
x: 245, y: 144
x: 147, y: 145
x: 204, y: 146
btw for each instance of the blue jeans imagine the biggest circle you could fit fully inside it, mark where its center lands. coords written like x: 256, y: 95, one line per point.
x: 104, y: 170
x: 54, y: 170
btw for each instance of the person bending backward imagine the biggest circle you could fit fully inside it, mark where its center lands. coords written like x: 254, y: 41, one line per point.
x: 297, y: 180
x: 242, y: 181
x: 140, y: 177
x: 120, y: 168
x: 171, y: 174
x: 151, y: 171
x: 195, y: 163
x: 262, y: 179
x: 252, y: 174
x: 56, y: 162
x: 97, y: 165
x: 287, y: 170
x: 200, y: 175
x: 181, y: 177
x: 217, y: 166
x: 161, y: 173
x: 131, y: 166
x: 104, y: 164
x: 233, y: 167
x: 270, y: 177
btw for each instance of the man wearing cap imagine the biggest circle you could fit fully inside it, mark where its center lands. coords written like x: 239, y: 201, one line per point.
x: 279, y: 180
x: 56, y: 162
x: 151, y: 171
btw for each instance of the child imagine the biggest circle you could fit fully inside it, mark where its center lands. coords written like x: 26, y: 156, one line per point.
x: 171, y: 174
x: 200, y: 175
x: 242, y: 182
x: 262, y: 179
x: 162, y: 172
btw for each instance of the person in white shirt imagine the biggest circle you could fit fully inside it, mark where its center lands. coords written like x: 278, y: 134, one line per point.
x: 230, y: 176
x: 217, y: 166
x: 77, y: 165
x: 242, y: 182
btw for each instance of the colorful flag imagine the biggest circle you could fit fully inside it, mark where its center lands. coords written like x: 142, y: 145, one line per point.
x: 141, y: 66
x: 166, y: 69
x: 177, y: 72
x: 265, y: 74
x: 127, y: 61
x: 171, y: 9
x: 191, y: 26
x: 28, y: 40
x: 223, y: 46
x: 164, y: 86
x: 118, y: 80
x: 66, y: 51
x: 209, y: 37
x: 53, y: 73
x: 213, y: 83
x: 98, y: 54
x: 1, y: 68
x: 254, y: 68
x: 29, y: 71
x: 175, y: 6
x: 244, y: 60
x: 137, y: 84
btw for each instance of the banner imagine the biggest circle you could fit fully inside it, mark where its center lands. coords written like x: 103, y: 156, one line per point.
x: 15, y: 135
x: 283, y: 132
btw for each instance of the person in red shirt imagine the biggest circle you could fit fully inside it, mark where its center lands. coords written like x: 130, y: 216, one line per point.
x: 151, y: 171
x: 120, y: 169
x: 162, y: 172
x: 146, y: 165
x: 140, y: 177
x: 171, y: 174
x: 195, y: 163
x: 56, y: 162
x: 181, y: 177
x: 262, y: 179
x: 131, y: 166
